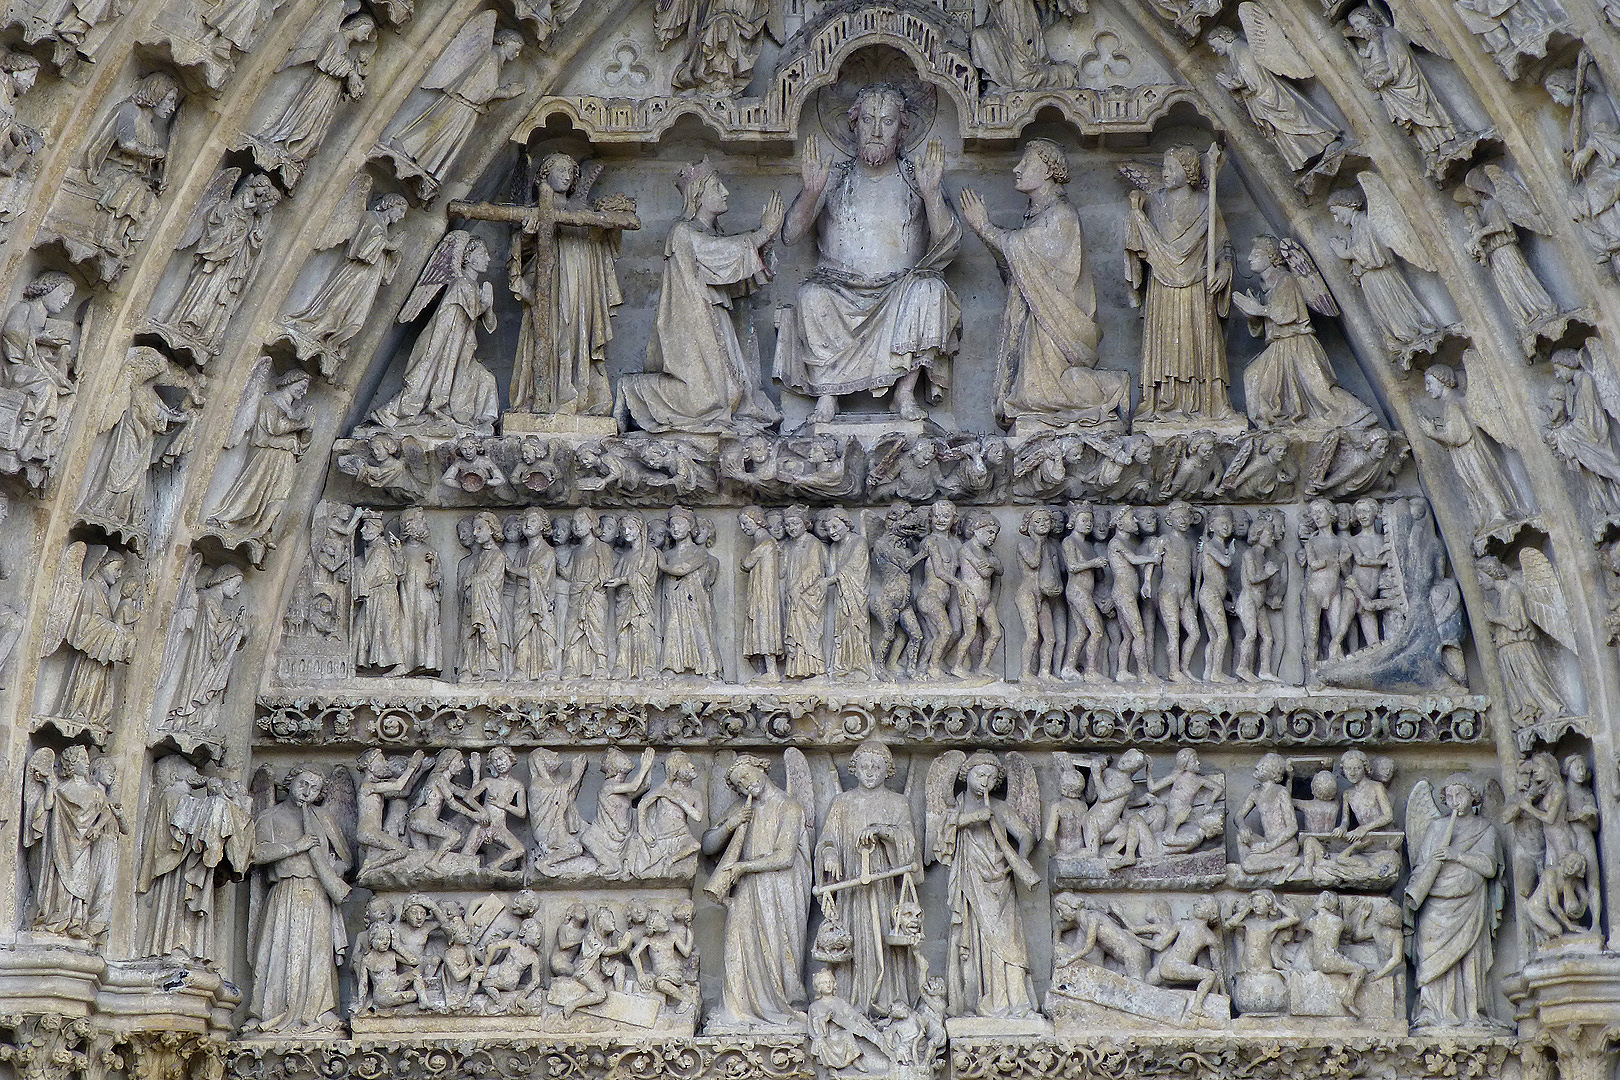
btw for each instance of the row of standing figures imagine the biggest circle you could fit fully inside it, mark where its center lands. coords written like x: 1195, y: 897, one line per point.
x: 631, y: 595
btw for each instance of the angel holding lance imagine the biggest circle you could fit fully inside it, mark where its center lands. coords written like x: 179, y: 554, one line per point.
x: 1292, y: 382
x: 1179, y: 235
x: 445, y: 385
x: 297, y: 925
x: 867, y: 860
x: 763, y: 879
x: 198, y: 830
x: 986, y: 842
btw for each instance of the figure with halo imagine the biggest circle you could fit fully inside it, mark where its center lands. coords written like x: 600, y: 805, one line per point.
x: 876, y: 312
x: 1046, y: 365
x: 699, y: 378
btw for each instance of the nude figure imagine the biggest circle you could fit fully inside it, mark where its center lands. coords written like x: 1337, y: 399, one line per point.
x: 497, y: 797
x: 1181, y: 946
x: 1276, y: 845
x: 1177, y: 608
x: 1262, y: 586
x: 1086, y: 628
x: 1215, y: 556
x: 977, y: 571
x: 1130, y: 588
x: 1040, y: 595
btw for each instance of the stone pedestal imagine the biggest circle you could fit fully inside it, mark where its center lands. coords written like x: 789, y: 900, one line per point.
x: 564, y: 425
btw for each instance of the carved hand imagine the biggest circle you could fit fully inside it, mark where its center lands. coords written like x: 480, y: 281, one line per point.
x: 973, y: 210
x: 774, y: 214
x: 814, y: 169
x: 932, y: 169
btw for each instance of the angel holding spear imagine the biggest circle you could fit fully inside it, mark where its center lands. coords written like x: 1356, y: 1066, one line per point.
x: 763, y: 879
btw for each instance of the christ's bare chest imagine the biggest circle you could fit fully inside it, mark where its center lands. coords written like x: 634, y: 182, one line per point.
x: 873, y: 225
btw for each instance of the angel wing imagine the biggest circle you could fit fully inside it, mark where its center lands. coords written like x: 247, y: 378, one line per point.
x: 1516, y: 201
x: 1240, y: 461
x: 1023, y: 792
x: 941, y: 794
x: 1600, y: 366
x: 1409, y: 21
x: 1270, y: 45
x: 252, y: 394
x: 474, y: 41
x: 218, y: 189
x: 1391, y: 225
x: 1141, y: 175
x: 1544, y: 596
x: 1422, y: 811
x: 442, y: 267
x: 346, y: 218
x: 1299, y: 261
x: 801, y: 786
x: 1481, y: 402
x: 319, y: 32
x: 185, y: 613
x: 342, y: 804
x: 64, y: 597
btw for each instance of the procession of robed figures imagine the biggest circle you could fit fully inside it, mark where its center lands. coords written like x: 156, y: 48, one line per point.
x: 875, y: 316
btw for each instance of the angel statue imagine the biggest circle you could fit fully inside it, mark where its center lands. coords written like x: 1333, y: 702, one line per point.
x: 144, y: 426
x: 1292, y: 381
x: 1373, y: 242
x: 1009, y: 43
x: 423, y: 141
x: 332, y: 58
x: 1390, y: 70
x: 295, y: 923
x: 227, y: 230
x: 276, y: 426
x: 1177, y: 234
x: 1584, y: 406
x: 1257, y: 63
x: 336, y: 312
x: 1513, y: 31
x: 986, y: 843
x: 1476, y: 453
x: 204, y: 636
x: 1527, y: 608
x: 1495, y: 205
x: 720, y: 42
x: 447, y: 390
x: 93, y: 612
x: 197, y: 831
x: 763, y: 879
x: 867, y: 865
x: 699, y: 378
x: 1454, y: 894
x: 1046, y: 365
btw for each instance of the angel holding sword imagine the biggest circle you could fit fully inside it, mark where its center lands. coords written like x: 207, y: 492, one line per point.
x: 986, y: 842
x: 763, y: 879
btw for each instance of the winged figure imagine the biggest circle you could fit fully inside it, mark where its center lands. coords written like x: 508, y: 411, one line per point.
x: 226, y: 231
x: 1470, y: 429
x: 94, y: 607
x: 986, y: 842
x: 1292, y: 381
x: 445, y: 385
x: 1584, y: 400
x: 335, y: 313
x: 720, y: 40
x: 331, y: 58
x: 274, y: 423
x: 424, y: 140
x: 1527, y: 611
x: 1455, y: 897
x: 1258, y: 62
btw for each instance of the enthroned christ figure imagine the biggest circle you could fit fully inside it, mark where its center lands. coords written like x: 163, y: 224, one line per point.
x: 876, y: 312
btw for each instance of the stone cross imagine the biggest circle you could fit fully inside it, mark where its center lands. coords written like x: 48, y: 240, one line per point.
x: 541, y: 221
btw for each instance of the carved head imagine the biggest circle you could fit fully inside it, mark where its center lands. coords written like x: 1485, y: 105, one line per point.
x: 984, y: 528
x: 879, y: 121
x: 1354, y: 766
x: 1220, y: 524
x: 748, y: 776
x: 871, y: 763
x: 1082, y: 519
x: 825, y: 983
x: 559, y: 172
x: 636, y: 911
x: 681, y: 522
x: 1328, y: 902
x: 1364, y: 22
x: 476, y: 257
x: 774, y: 523
x: 501, y: 760
x: 52, y: 288
x: 982, y: 772
x: 76, y: 762
x: 1206, y: 909
x: 751, y: 520
x: 796, y: 520
x: 942, y: 515
x: 1460, y: 793
x: 835, y: 524
x: 1043, y: 162
x: 657, y: 922
x: 1181, y: 167
x: 1264, y: 253
x: 1179, y: 516
x: 1223, y: 39
x: 1038, y: 521
x: 304, y: 787
x: 683, y: 912
x: 1270, y: 769
x: 693, y: 183
x: 536, y: 523
x: 529, y: 933
x: 508, y: 43
x: 380, y: 938
x: 1576, y: 771
x: 415, y: 911
x: 525, y: 903
x: 1323, y: 786
x: 1187, y: 759
x: 158, y: 92
x: 413, y: 523
x: 485, y: 528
